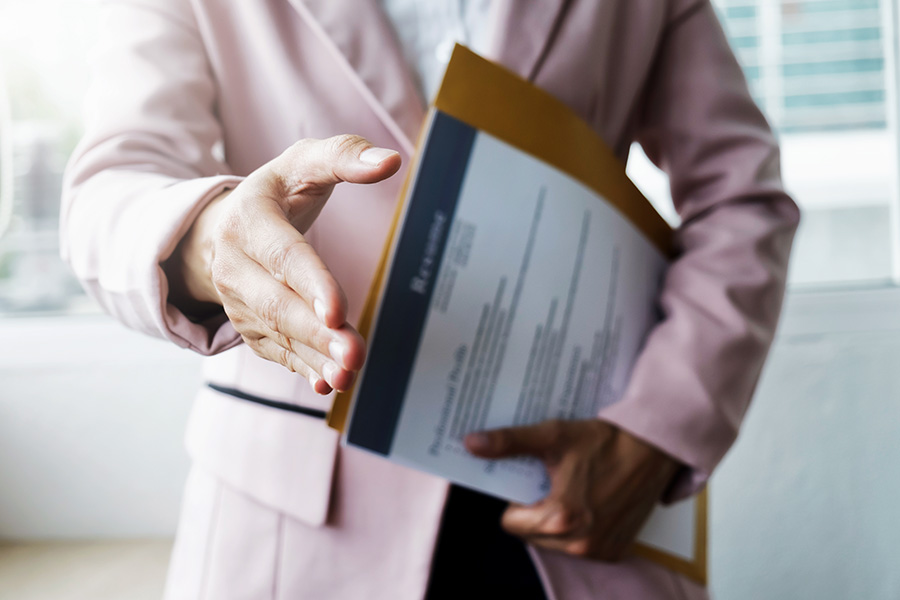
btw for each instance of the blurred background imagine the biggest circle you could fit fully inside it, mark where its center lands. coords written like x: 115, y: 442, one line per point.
x: 804, y: 506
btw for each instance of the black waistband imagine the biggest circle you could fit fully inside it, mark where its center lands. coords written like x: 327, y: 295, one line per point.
x: 235, y: 393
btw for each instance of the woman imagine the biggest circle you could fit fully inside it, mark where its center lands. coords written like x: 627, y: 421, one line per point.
x: 192, y: 213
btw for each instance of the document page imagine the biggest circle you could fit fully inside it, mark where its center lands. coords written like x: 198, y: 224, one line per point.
x: 516, y: 294
x: 519, y: 285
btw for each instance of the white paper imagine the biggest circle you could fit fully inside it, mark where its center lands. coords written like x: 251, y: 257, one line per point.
x: 541, y: 303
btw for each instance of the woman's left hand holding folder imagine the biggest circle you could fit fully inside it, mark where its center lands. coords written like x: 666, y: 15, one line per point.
x: 604, y: 484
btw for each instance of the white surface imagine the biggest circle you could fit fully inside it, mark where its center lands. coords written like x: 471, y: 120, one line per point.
x: 844, y: 181
x: 673, y: 529
x: 126, y: 570
x: 91, y: 423
x: 805, y: 505
x: 837, y: 169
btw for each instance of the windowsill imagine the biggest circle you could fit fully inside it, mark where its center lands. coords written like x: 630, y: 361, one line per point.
x: 80, y: 339
x: 841, y: 310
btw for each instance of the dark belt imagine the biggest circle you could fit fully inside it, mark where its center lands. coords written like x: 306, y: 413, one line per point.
x: 294, y: 408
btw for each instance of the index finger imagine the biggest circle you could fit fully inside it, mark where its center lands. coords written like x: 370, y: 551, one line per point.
x: 538, y: 440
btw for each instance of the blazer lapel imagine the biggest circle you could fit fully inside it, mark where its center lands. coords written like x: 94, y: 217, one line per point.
x: 523, y: 33
x: 359, y: 32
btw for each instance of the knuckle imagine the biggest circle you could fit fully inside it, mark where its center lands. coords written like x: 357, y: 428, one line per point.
x: 286, y: 172
x: 303, y: 144
x: 341, y: 144
x: 252, y: 338
x: 222, y: 276
x: 255, y: 342
x: 252, y: 341
x: 229, y: 226
x: 285, y: 342
x: 283, y: 259
x: 286, y: 358
x: 298, y: 150
x: 275, y: 256
x: 240, y: 321
x: 272, y: 311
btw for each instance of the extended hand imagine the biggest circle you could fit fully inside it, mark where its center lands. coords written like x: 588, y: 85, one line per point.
x: 246, y: 252
x: 604, y: 483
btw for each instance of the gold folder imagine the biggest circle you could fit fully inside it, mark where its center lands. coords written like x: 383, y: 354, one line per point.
x: 496, y: 101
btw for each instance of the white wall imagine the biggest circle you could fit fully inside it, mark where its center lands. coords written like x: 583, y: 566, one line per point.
x: 805, y: 505
x: 91, y: 424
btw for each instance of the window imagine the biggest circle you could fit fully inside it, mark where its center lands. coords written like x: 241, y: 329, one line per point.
x: 823, y: 72
x: 43, y: 73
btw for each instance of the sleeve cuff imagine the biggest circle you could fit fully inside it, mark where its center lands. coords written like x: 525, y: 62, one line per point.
x: 214, y: 334
x: 696, y: 469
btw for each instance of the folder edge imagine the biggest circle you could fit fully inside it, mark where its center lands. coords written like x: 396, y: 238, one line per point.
x: 607, y: 177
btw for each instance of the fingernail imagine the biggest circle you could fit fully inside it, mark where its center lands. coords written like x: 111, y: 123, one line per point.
x: 319, y: 307
x: 322, y: 388
x: 374, y: 156
x: 336, y: 350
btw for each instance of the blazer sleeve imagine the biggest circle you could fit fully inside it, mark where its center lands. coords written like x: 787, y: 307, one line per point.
x: 722, y: 295
x: 145, y: 168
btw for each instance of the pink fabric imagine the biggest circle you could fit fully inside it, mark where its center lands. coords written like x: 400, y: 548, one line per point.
x: 191, y: 95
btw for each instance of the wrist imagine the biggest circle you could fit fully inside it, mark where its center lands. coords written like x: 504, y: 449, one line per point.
x: 189, y: 269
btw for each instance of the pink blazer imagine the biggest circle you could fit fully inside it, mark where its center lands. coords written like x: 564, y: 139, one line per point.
x: 191, y: 95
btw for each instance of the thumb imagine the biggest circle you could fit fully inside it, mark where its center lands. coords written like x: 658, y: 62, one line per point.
x: 323, y: 163
x: 531, y: 440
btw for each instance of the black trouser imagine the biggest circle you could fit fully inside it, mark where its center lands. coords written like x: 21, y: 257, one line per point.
x: 475, y: 558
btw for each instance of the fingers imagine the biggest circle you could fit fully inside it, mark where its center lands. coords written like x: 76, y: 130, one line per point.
x: 606, y: 540
x: 542, y: 440
x: 566, y: 511
x: 271, y: 311
x: 603, y: 487
x: 269, y: 348
x: 565, y: 526
x: 552, y: 525
x: 284, y: 313
x: 323, y: 374
x: 283, y: 198
x: 546, y: 520
x: 562, y: 521
x: 275, y: 288
x: 271, y: 241
x: 323, y: 163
